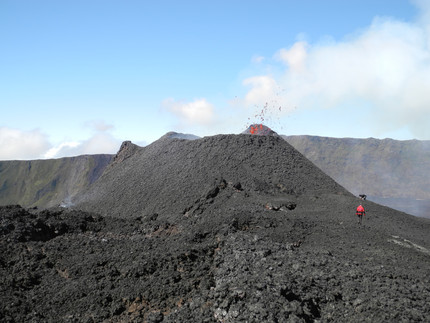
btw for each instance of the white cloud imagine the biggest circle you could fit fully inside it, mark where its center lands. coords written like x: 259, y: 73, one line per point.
x: 257, y: 59
x: 197, y: 112
x: 99, y: 143
x: 63, y: 150
x: 99, y: 125
x: 17, y: 144
x: 29, y: 145
x: 263, y: 88
x: 295, y: 57
x: 386, y: 66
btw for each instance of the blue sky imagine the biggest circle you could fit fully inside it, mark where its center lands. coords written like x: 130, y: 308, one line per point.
x: 80, y: 77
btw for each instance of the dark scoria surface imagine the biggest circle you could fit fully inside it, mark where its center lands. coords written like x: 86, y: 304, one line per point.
x: 250, y: 264
x: 283, y: 246
x: 169, y: 176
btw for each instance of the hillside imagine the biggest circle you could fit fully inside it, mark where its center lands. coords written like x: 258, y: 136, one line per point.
x: 47, y: 183
x: 388, y: 171
x: 148, y: 180
x: 229, y: 228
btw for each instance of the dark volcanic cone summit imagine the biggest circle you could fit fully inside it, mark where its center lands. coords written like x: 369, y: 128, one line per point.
x: 170, y: 175
x: 259, y: 129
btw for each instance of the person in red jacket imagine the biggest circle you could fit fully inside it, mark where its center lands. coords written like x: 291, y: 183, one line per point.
x: 360, y: 213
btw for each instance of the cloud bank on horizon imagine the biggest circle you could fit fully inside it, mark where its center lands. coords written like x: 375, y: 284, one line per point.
x: 373, y: 82
x: 26, y: 145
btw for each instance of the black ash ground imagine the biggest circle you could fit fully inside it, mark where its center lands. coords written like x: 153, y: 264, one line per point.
x: 231, y: 228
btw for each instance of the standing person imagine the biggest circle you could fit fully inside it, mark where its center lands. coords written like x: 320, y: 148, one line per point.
x: 360, y: 213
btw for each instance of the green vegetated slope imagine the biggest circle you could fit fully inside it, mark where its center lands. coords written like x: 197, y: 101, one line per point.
x: 385, y: 168
x: 47, y: 183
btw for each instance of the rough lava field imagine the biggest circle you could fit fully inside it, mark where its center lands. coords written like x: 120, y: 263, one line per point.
x: 229, y: 228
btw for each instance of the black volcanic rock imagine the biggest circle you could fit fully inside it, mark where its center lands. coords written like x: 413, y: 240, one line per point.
x: 173, y: 175
x: 126, y: 150
x: 220, y: 229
